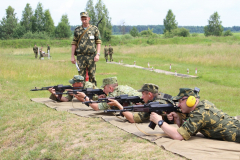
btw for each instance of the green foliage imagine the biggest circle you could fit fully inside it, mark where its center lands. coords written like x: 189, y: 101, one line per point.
x: 169, y: 22
x: 147, y: 33
x: 134, y: 32
x: 228, y: 33
x: 19, y: 31
x: 194, y: 35
x: 8, y: 24
x: 96, y: 13
x: 63, y: 28
x: 214, y: 27
x: 39, y: 15
x: 26, y: 20
x: 48, y: 23
x: 36, y: 35
x: 180, y: 32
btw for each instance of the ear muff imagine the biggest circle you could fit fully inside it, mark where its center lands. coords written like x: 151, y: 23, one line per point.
x: 191, y: 101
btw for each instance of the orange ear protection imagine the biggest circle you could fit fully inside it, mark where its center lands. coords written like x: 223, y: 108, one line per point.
x: 191, y: 101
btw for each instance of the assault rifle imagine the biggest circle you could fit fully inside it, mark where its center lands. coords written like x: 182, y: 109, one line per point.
x: 58, y: 88
x: 90, y: 92
x: 150, y: 107
x: 122, y: 99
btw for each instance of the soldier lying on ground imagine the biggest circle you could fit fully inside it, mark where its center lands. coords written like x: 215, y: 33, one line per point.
x: 150, y: 93
x: 77, y: 81
x: 204, y: 117
x: 111, y: 89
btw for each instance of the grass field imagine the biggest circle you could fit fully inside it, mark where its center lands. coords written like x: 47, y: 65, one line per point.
x: 33, y: 131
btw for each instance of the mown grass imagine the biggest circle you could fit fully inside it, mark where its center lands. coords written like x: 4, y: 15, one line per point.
x: 32, y: 131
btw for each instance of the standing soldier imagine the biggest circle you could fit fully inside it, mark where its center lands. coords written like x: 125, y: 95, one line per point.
x: 110, y: 53
x: 48, y: 50
x: 35, y: 50
x: 106, y: 52
x: 83, y: 45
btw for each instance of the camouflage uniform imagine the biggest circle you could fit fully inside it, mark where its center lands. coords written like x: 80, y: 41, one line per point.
x: 119, y: 90
x: 76, y: 78
x: 140, y: 117
x: 35, y: 50
x: 106, y: 53
x: 208, y: 120
x: 110, y: 53
x: 86, y: 50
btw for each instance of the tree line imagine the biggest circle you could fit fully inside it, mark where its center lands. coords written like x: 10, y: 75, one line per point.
x: 159, y: 29
x: 34, y: 24
x: 38, y: 24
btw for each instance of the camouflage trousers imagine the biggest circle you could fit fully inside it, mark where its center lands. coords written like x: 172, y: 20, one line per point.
x: 41, y: 55
x: 36, y: 54
x: 111, y: 59
x: 87, y: 62
x: 106, y: 57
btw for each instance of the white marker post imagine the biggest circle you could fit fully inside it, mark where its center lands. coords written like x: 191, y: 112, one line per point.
x: 170, y: 67
x: 119, y: 62
x: 134, y: 63
x: 148, y: 65
x: 175, y: 73
x: 187, y: 71
x: 196, y: 71
x: 152, y: 68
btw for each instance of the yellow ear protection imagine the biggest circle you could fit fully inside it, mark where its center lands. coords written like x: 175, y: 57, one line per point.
x: 191, y: 101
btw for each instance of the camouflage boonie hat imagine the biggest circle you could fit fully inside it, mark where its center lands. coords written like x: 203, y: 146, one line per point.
x: 185, y: 92
x: 149, y: 87
x: 76, y: 78
x: 84, y: 14
x: 110, y: 80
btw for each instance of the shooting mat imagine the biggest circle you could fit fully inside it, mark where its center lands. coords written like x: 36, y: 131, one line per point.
x: 195, y: 148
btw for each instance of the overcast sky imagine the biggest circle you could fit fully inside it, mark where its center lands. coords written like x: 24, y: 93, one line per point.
x: 138, y: 12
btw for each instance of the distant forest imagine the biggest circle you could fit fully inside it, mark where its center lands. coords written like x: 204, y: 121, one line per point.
x: 117, y: 29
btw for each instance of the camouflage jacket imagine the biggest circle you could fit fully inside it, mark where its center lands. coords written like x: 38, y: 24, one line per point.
x: 119, y: 90
x: 105, y: 50
x: 35, y: 49
x: 86, y: 45
x: 211, y: 122
x: 140, y: 117
x: 48, y: 48
x: 70, y: 97
x: 110, y: 50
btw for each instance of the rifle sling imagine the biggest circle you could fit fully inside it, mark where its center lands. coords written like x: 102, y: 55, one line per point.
x: 82, y: 36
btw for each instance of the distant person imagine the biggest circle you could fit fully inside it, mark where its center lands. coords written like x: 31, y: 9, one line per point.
x: 110, y: 53
x: 48, y: 50
x: 77, y: 81
x: 35, y: 50
x: 41, y: 52
x: 87, y: 49
x: 203, y: 117
x: 106, y: 52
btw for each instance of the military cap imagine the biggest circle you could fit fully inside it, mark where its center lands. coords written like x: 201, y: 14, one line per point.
x: 76, y: 78
x: 185, y: 92
x: 110, y: 80
x: 84, y: 14
x: 149, y: 87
